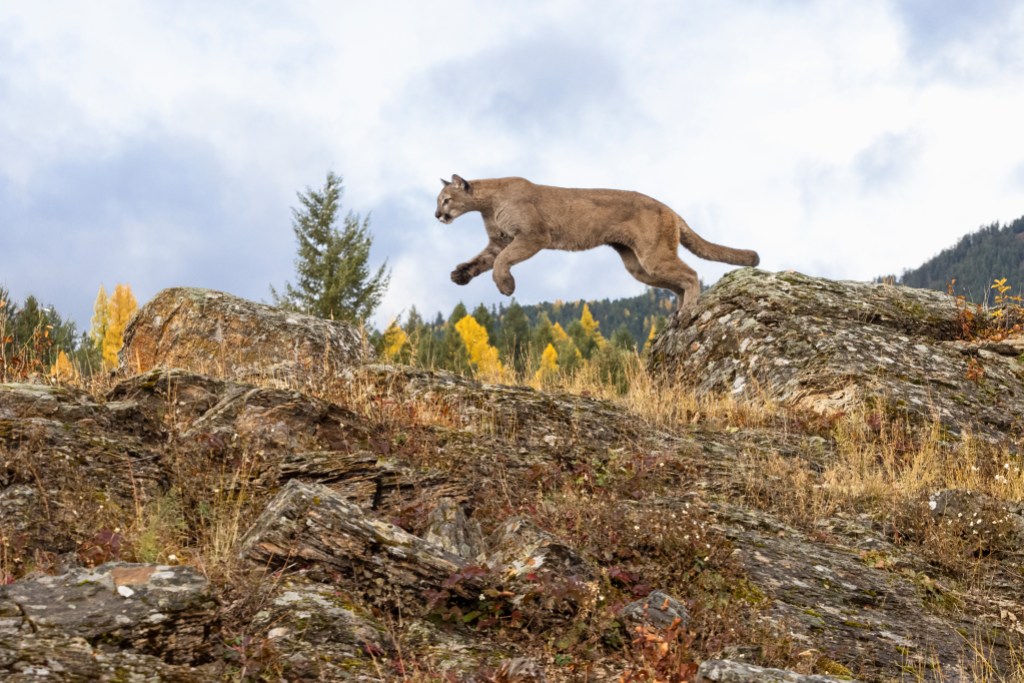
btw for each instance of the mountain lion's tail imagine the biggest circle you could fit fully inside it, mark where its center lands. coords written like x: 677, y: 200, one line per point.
x: 715, y: 252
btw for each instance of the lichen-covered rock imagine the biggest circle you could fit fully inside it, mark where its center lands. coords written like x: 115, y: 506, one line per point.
x: 222, y: 335
x: 449, y: 528
x: 317, y: 633
x: 726, y: 671
x: 311, y: 526
x: 835, y: 346
x: 151, y: 609
x: 658, y: 609
x: 30, y: 657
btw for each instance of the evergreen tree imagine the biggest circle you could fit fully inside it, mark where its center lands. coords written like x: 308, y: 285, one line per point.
x: 486, y: 320
x: 543, y: 332
x: 453, y: 355
x: 32, y: 336
x: 623, y: 339
x: 584, y: 333
x: 514, y: 337
x: 569, y: 357
x: 332, y: 277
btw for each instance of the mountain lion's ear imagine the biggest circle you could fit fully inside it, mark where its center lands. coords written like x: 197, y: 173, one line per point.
x: 461, y: 183
x: 446, y: 183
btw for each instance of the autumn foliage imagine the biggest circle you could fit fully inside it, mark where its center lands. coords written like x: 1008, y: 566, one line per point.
x: 110, y: 318
x: 482, y: 355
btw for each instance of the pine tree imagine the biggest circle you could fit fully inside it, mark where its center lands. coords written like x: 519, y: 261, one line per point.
x: 485, y: 318
x: 569, y: 357
x: 514, y: 337
x: 623, y: 339
x: 543, y: 332
x: 120, y: 309
x: 332, y: 277
x: 453, y: 355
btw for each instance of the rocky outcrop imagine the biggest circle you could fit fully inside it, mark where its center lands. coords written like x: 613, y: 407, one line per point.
x: 833, y: 347
x: 221, y: 335
x: 403, y: 523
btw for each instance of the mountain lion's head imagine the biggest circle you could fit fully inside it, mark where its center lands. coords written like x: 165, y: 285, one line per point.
x: 454, y: 200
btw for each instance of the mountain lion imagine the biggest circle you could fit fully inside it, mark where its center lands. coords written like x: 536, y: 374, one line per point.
x: 522, y: 218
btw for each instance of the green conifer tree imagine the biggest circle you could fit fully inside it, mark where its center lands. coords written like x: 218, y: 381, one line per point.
x: 514, y: 337
x: 332, y: 277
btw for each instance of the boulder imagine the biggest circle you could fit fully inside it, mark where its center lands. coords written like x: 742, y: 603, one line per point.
x: 224, y: 336
x: 311, y: 526
x: 835, y: 347
x: 165, y: 611
x: 659, y: 610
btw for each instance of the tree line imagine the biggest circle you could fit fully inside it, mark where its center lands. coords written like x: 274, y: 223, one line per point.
x: 974, y: 263
x: 36, y: 340
x: 503, y: 344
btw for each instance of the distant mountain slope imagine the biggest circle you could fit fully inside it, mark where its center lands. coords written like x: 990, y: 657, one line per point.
x: 991, y: 252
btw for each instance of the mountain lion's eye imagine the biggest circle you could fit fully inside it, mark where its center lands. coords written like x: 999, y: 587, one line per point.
x: 446, y: 200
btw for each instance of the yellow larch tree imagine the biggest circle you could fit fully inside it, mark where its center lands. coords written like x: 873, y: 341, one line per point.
x: 62, y: 370
x: 395, y: 341
x: 590, y: 326
x: 482, y: 355
x: 100, y: 320
x: 548, y: 369
x: 120, y: 309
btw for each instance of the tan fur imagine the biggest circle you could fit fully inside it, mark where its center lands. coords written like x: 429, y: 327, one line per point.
x: 522, y: 218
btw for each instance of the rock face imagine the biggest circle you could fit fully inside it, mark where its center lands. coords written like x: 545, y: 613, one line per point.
x: 836, y: 346
x: 224, y: 336
x: 403, y: 524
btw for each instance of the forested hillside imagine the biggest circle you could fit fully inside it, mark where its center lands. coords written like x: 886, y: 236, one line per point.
x: 992, y: 252
x: 545, y: 342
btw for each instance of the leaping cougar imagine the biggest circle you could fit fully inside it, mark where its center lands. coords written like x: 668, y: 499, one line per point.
x: 522, y: 218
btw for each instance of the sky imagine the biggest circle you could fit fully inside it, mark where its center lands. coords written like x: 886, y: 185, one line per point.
x: 163, y: 144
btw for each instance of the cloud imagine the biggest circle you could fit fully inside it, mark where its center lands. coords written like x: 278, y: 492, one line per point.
x: 166, y: 146
x: 160, y: 212
x: 963, y: 41
x: 887, y: 161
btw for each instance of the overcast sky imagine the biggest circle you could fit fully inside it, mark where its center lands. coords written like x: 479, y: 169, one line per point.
x: 162, y: 143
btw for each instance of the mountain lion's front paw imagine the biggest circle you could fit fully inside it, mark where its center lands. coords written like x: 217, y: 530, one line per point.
x: 506, y: 285
x: 461, y: 275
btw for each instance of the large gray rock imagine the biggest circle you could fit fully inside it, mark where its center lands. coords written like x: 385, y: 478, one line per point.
x: 150, y: 609
x: 222, y: 335
x: 836, y: 346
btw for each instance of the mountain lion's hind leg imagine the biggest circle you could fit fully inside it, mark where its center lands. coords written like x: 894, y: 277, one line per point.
x: 668, y: 269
